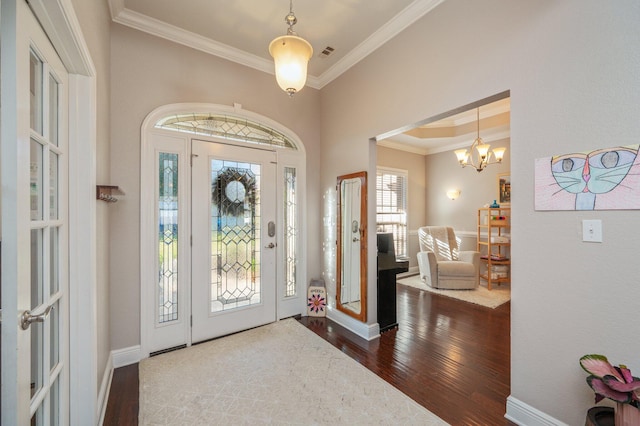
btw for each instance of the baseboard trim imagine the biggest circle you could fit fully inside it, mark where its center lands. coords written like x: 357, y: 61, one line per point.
x: 105, y: 388
x: 523, y: 414
x: 366, y: 331
x: 126, y: 356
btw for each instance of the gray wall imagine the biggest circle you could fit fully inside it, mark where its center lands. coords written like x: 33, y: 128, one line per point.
x: 148, y: 72
x: 572, y: 68
x: 95, y: 22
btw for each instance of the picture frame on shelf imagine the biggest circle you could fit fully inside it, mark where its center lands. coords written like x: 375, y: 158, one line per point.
x: 504, y: 189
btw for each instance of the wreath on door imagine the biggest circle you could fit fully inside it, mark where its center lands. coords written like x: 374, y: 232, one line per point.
x: 233, y: 190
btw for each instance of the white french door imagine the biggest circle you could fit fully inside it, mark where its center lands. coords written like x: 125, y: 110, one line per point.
x: 234, y: 238
x: 35, y: 230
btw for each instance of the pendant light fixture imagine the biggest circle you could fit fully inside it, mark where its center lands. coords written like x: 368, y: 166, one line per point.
x: 291, y: 55
x: 483, y: 154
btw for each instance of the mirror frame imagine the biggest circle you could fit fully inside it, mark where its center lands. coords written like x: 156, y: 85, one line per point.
x: 362, y: 316
x: 503, y: 197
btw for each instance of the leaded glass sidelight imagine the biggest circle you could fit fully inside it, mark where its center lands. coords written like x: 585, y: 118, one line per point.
x: 235, y: 235
x: 167, y: 237
x: 290, y: 229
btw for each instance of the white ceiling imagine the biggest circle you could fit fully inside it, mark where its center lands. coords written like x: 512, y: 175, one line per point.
x: 241, y: 30
x: 455, y: 131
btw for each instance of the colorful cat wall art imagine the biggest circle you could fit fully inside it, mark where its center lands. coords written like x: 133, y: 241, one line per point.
x: 604, y: 179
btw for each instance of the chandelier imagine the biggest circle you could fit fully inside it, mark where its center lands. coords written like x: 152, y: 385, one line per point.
x: 481, y: 153
x: 291, y: 55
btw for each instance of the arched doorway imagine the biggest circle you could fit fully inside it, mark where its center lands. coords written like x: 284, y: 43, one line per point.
x: 221, y: 224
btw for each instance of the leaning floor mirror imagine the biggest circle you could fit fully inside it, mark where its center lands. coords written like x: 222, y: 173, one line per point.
x: 351, y: 285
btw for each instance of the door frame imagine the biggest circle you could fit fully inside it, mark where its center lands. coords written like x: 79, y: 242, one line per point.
x: 62, y: 27
x: 285, y: 307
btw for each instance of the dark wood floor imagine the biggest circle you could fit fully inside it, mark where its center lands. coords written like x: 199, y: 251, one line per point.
x: 451, y: 357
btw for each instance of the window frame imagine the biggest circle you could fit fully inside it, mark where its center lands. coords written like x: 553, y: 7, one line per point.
x: 404, y: 253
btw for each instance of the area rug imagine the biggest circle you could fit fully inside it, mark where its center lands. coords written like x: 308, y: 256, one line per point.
x: 480, y: 296
x: 281, y: 373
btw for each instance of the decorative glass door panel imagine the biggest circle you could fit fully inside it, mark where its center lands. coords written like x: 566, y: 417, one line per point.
x: 234, y: 239
x: 235, y: 234
x: 168, y: 284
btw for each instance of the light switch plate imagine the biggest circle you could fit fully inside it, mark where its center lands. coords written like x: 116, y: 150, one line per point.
x: 592, y: 231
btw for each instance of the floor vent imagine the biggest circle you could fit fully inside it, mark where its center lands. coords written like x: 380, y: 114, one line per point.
x: 164, y: 351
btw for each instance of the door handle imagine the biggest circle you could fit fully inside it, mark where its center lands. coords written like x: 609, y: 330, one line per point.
x: 26, y: 318
x: 271, y: 245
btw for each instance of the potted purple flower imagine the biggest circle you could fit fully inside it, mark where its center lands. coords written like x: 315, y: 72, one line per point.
x: 616, y: 384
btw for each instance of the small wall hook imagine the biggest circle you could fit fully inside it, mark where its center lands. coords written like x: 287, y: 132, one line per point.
x: 106, y: 193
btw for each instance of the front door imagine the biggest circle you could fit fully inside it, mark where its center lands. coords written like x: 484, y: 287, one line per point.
x: 234, y: 238
x: 35, y: 227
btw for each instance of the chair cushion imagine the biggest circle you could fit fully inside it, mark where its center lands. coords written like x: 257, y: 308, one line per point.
x: 439, y: 239
x: 455, y: 268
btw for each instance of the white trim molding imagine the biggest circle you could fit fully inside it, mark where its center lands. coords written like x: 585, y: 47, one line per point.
x: 523, y: 414
x: 105, y: 388
x: 141, y: 22
x: 366, y: 331
x: 125, y: 356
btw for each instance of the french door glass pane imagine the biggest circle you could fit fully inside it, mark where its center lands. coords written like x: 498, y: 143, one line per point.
x: 37, y: 271
x: 38, y: 417
x: 35, y: 86
x: 54, y: 324
x: 36, y: 180
x: 54, y: 405
x: 235, y: 235
x: 168, y: 237
x: 53, y: 110
x: 53, y: 185
x: 37, y: 343
x: 54, y: 276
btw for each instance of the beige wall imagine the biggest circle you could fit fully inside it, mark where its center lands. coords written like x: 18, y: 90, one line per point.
x: 95, y: 22
x: 572, y: 68
x: 430, y: 176
x: 476, y: 189
x: 148, y: 72
x: 414, y: 164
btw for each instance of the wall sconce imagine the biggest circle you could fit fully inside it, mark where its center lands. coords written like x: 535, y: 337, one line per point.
x: 452, y: 194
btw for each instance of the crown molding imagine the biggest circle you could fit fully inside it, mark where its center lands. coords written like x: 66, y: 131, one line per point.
x: 115, y: 7
x: 138, y: 21
x: 437, y: 145
x: 397, y: 24
x: 389, y: 143
x: 178, y: 35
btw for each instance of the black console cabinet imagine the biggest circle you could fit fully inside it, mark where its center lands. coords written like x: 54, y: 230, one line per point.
x: 388, y: 267
x: 387, y: 316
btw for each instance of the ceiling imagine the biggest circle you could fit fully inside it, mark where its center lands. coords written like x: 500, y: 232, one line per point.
x: 458, y: 130
x: 240, y: 31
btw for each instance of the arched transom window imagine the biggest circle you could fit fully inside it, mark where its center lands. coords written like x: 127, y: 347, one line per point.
x: 222, y: 126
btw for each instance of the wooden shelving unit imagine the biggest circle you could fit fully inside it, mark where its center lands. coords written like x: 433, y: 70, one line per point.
x: 494, y: 243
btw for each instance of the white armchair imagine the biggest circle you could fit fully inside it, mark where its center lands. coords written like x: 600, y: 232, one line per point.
x: 442, y: 265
